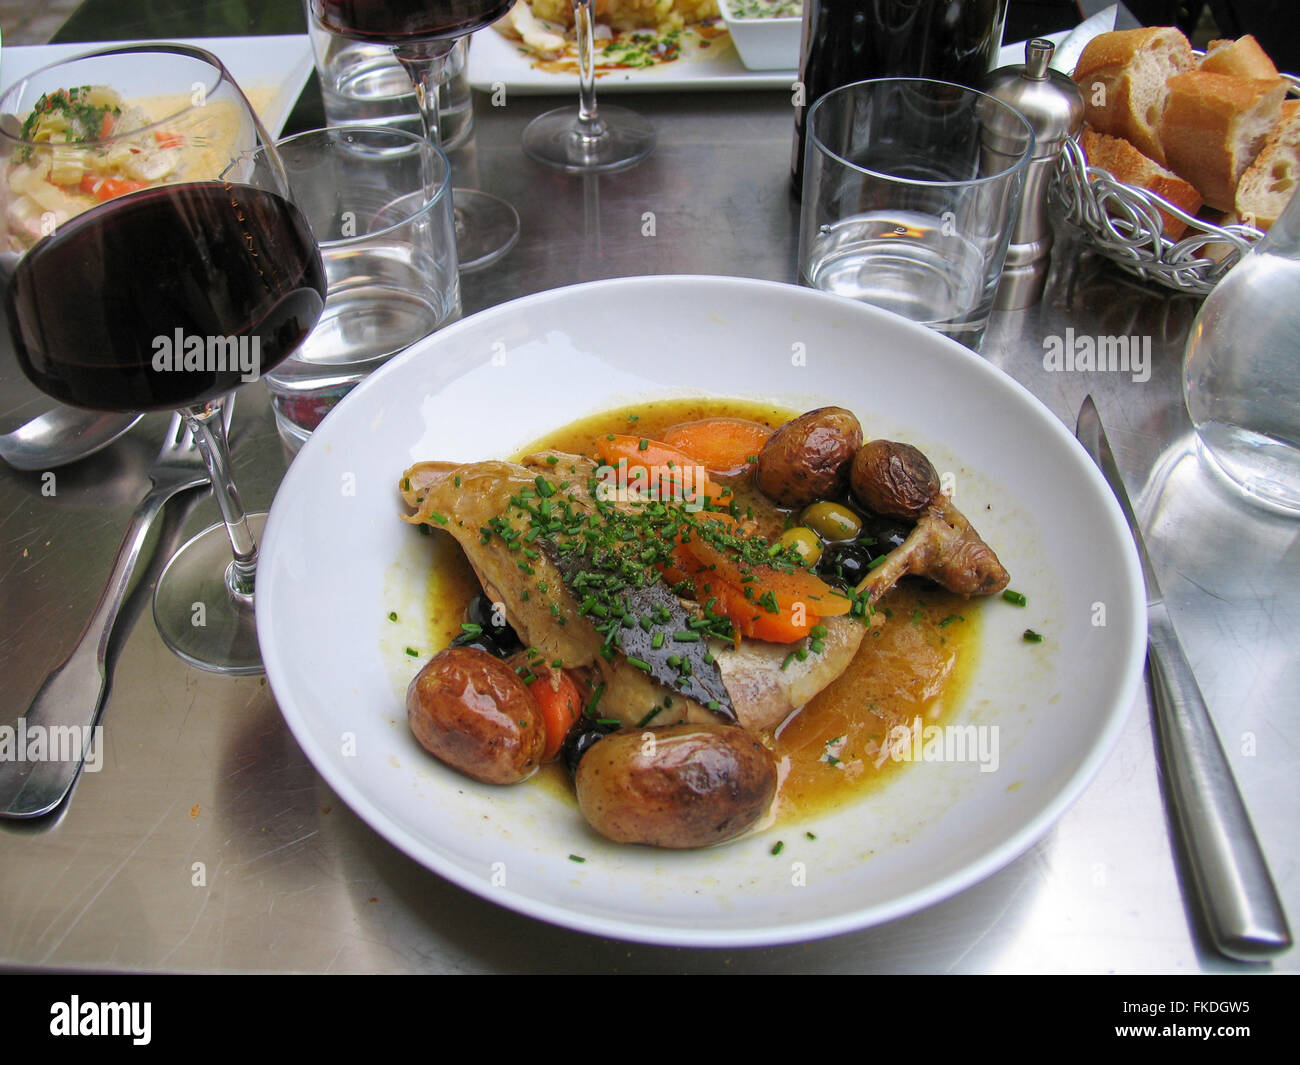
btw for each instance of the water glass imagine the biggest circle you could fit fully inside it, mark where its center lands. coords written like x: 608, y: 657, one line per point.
x: 379, y: 203
x: 362, y: 84
x: 910, y: 190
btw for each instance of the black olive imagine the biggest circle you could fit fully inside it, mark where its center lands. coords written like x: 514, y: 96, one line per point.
x: 481, y: 642
x: 844, y: 565
x: 481, y: 613
x: 578, y: 742
x: 885, y: 535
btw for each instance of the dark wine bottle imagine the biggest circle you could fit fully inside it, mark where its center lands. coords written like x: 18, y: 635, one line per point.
x: 853, y: 40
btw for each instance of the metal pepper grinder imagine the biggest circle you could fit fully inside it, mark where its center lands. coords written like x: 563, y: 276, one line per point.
x: 1052, y: 105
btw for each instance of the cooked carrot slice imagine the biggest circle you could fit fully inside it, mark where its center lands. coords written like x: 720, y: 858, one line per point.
x: 560, y: 703
x: 798, y: 586
x: 725, y: 446
x: 675, y: 475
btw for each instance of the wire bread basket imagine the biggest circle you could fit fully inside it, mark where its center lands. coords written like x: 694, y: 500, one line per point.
x: 1122, y: 222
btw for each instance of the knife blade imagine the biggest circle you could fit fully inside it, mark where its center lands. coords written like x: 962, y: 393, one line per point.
x: 1067, y: 53
x: 1237, y: 898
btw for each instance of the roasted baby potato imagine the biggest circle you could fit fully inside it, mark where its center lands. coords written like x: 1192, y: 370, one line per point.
x: 808, y: 458
x: 894, y: 480
x: 688, y: 785
x: 472, y: 711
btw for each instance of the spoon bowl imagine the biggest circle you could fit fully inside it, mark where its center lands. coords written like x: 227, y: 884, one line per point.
x: 62, y: 435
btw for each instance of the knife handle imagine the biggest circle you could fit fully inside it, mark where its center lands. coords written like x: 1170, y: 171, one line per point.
x: 1240, y: 904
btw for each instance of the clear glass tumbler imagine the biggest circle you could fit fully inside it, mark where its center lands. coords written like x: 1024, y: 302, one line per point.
x: 911, y: 187
x: 379, y: 201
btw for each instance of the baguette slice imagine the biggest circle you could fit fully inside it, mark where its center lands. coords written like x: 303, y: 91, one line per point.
x: 1214, y: 126
x: 1130, y: 166
x: 1122, y: 76
x: 1242, y: 58
x: 1267, y: 185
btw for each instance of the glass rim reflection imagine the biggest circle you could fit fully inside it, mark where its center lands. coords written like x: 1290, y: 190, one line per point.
x: 410, y: 140
x: 816, y: 143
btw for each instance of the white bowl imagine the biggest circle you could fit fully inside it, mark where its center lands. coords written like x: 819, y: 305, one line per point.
x: 763, y: 43
x: 337, y: 561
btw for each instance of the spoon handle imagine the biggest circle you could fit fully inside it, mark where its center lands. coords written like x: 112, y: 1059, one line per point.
x: 73, y: 694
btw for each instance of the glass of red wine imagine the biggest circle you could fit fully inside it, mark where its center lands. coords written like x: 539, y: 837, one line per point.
x: 151, y: 269
x: 422, y: 34
x: 588, y: 141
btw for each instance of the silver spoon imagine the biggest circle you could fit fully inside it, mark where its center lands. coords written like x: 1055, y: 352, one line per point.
x: 62, y: 435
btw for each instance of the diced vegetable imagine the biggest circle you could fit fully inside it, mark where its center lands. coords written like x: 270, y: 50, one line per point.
x: 106, y: 188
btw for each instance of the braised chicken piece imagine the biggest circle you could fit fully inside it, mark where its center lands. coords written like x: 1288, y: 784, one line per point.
x: 897, y: 480
x: 755, y: 684
x: 752, y: 682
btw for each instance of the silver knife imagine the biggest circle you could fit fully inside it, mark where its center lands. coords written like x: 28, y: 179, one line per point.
x: 1237, y: 897
x: 1067, y: 53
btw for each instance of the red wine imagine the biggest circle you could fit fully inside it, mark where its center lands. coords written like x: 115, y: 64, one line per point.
x: 853, y: 40
x: 398, y: 21
x: 152, y: 301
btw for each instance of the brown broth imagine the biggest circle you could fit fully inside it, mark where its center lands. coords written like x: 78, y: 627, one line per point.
x: 915, y: 664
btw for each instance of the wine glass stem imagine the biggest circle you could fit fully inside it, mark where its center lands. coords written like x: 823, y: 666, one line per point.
x: 208, y: 426
x: 423, y: 64
x: 583, y: 28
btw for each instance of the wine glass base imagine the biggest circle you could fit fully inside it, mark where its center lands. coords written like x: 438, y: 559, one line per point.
x: 486, y: 228
x: 561, y: 140
x: 198, y: 616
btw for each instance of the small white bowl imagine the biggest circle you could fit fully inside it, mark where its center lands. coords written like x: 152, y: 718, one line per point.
x: 763, y: 43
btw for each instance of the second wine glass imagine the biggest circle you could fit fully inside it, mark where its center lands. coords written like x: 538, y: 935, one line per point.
x: 588, y: 140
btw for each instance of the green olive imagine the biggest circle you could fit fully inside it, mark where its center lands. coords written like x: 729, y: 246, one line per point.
x: 833, y: 522
x: 805, y: 542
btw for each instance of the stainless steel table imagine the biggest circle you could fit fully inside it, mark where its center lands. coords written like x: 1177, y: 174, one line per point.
x: 208, y: 842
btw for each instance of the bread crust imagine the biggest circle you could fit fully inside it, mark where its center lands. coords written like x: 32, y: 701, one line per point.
x: 1122, y: 76
x: 1270, y: 181
x: 1124, y: 162
x: 1242, y: 58
x: 1214, y: 126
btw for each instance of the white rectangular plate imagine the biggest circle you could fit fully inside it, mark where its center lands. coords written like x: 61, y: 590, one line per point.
x: 495, y: 61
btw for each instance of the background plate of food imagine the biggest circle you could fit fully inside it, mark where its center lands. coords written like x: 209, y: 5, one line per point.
x: 271, y: 70
x: 641, y: 46
x: 352, y: 601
